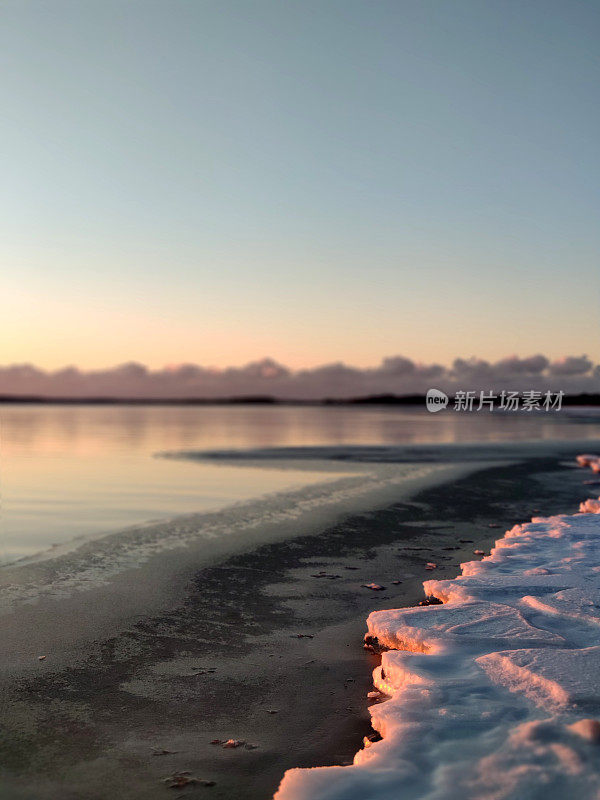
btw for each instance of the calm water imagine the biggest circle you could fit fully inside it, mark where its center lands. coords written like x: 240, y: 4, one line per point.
x: 82, y: 470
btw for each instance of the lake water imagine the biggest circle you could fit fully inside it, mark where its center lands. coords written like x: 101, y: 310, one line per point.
x: 69, y: 471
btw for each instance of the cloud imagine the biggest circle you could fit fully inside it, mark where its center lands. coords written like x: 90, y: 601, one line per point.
x: 471, y: 369
x: 396, y: 374
x: 571, y: 365
x: 398, y: 365
x: 507, y: 368
x: 513, y: 365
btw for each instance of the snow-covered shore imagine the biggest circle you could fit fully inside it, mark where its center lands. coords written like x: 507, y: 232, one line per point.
x: 495, y: 692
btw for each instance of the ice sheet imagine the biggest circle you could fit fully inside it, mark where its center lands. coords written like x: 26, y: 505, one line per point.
x: 496, y: 692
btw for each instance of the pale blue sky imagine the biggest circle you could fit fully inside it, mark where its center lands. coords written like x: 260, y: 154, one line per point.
x: 315, y: 180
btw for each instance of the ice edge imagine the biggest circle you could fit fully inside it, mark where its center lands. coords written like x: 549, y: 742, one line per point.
x: 494, y: 692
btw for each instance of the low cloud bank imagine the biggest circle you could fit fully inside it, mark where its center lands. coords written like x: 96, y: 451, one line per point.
x: 396, y: 375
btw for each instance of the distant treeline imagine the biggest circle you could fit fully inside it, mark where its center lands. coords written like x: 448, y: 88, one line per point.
x: 375, y: 400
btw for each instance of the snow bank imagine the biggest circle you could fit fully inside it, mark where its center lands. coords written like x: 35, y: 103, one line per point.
x: 495, y: 693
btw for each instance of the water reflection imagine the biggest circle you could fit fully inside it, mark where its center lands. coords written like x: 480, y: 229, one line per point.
x: 71, y: 470
x: 90, y: 429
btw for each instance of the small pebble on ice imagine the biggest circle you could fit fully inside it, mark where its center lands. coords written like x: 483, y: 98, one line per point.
x: 179, y: 780
x: 374, y: 586
x: 586, y: 459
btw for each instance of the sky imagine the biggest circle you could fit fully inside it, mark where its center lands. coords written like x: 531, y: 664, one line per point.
x: 318, y: 181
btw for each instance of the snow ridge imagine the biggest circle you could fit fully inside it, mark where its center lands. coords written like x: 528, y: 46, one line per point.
x: 495, y: 693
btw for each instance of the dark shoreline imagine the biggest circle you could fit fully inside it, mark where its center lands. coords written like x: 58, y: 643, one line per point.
x: 418, y: 400
x: 91, y: 728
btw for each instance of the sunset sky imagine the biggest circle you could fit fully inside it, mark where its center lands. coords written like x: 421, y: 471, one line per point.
x: 320, y: 180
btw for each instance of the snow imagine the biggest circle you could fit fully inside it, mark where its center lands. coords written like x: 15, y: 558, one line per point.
x: 590, y: 506
x: 495, y: 693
